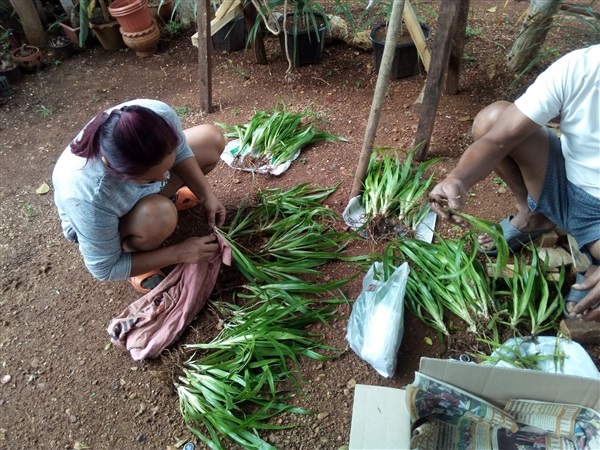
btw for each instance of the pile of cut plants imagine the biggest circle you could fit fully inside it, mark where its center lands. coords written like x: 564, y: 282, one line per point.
x: 251, y: 371
x: 394, y: 201
x: 232, y: 387
x: 273, y: 139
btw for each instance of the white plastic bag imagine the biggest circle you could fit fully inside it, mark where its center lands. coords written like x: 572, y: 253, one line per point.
x: 576, y: 360
x: 376, y: 324
x: 230, y: 159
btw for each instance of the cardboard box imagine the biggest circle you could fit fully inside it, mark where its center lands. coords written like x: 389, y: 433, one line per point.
x: 380, y: 420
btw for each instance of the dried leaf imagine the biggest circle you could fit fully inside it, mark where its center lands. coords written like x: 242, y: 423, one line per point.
x: 79, y: 446
x: 107, y: 346
x: 465, y: 118
x: 43, y: 189
x: 428, y: 341
x: 493, y: 9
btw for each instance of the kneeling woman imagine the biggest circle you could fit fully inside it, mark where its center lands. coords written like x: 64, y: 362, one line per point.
x: 119, y: 184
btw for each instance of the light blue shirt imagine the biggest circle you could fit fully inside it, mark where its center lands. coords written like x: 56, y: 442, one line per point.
x: 91, y: 200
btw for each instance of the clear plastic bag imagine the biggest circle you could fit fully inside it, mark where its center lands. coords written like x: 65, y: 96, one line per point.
x: 376, y: 324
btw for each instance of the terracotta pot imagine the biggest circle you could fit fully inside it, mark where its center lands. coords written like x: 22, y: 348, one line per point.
x: 144, y: 42
x: 29, y: 63
x: 71, y: 33
x: 132, y: 15
x: 166, y: 10
x: 108, y: 34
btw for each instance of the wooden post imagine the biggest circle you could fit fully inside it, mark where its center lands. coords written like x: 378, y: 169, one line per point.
x: 204, y: 56
x: 440, y: 54
x: 456, y: 54
x: 31, y: 22
x: 258, y: 43
x: 383, y: 79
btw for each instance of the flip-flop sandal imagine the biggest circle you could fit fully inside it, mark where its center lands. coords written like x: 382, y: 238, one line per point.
x: 515, y: 238
x: 185, y: 199
x: 576, y: 295
x: 145, y: 282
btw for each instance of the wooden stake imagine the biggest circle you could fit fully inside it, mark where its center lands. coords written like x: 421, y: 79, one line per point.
x: 204, y: 56
x: 380, y: 89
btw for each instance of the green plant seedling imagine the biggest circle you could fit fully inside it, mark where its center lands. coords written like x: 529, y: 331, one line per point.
x: 29, y: 211
x: 499, y: 181
x: 182, y: 111
x: 44, y: 111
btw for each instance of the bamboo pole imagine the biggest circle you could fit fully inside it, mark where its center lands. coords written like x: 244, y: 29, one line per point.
x: 380, y: 89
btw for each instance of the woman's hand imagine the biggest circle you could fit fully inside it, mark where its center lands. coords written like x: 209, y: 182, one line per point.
x: 448, y: 195
x: 197, y: 249
x: 214, y: 210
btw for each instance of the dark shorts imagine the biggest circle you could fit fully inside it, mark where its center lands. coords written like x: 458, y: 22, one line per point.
x: 569, y: 207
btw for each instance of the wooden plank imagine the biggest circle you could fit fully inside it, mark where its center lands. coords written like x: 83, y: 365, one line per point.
x: 219, y: 22
x: 580, y: 331
x: 440, y: 54
x: 581, y: 263
x: 509, y: 272
x: 416, y: 32
x: 556, y: 256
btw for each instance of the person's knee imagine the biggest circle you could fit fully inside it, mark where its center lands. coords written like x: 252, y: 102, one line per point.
x: 207, y: 142
x: 153, y: 219
x: 487, y: 117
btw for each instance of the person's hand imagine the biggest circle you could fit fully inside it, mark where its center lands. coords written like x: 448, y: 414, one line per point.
x: 448, y: 195
x: 215, y: 211
x: 589, y: 306
x: 197, y: 249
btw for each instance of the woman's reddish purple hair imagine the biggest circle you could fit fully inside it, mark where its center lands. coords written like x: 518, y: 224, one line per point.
x: 131, y: 139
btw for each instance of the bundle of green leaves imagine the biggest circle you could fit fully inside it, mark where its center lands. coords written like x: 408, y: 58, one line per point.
x: 272, y: 138
x: 394, y: 195
x: 235, y: 384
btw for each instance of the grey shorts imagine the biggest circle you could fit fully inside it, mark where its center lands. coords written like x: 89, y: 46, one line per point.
x: 569, y: 207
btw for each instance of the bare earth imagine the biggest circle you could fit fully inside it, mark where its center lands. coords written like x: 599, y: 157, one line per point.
x: 64, y: 387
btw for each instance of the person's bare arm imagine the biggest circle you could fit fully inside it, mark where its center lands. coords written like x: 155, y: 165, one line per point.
x: 480, y: 159
x: 192, y: 250
x: 191, y: 174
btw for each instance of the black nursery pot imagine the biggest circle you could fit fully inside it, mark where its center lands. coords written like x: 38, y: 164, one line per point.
x: 310, y: 46
x: 406, y: 58
x: 63, y: 52
x: 231, y: 37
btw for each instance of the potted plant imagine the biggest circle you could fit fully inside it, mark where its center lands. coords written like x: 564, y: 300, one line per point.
x: 61, y: 46
x: 99, y: 19
x: 9, y: 68
x: 232, y: 36
x: 139, y: 30
x: 161, y: 10
x: 303, y: 28
x: 71, y: 26
x: 27, y: 57
x: 406, y: 61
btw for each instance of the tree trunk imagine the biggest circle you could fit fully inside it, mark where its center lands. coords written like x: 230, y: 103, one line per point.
x: 31, y: 22
x: 533, y: 33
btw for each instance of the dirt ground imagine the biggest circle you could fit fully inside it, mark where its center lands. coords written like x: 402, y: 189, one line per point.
x: 62, y: 386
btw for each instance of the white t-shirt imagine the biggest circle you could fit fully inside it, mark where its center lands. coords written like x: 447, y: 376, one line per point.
x: 570, y: 88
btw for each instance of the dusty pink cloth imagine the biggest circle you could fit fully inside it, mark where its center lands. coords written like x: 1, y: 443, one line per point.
x: 154, y: 321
